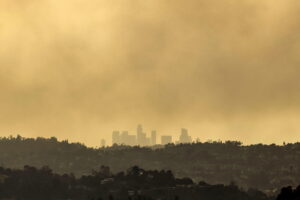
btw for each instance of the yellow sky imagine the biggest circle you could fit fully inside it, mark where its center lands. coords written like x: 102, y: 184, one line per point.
x: 78, y: 69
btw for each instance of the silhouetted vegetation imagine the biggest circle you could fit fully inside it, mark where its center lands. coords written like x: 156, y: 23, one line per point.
x: 266, y: 167
x: 288, y: 193
x: 135, y: 183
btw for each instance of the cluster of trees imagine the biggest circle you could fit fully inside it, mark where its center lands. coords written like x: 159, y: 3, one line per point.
x: 214, y: 162
x: 288, y: 193
x: 135, y: 184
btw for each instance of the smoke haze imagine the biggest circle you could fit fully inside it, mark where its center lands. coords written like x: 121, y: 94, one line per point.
x: 79, y: 69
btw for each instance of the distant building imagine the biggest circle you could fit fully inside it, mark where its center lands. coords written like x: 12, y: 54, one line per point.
x: 142, y: 139
x: 124, y: 137
x: 103, y: 143
x: 127, y: 139
x: 141, y: 136
x: 116, y: 138
x: 153, y: 138
x: 139, y: 129
x: 131, y: 140
x: 147, y: 141
x: 184, y: 137
x: 166, y: 139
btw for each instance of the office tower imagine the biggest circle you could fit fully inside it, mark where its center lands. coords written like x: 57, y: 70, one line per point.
x: 184, y: 137
x: 141, y: 137
x: 139, y: 133
x: 132, y: 140
x: 166, y: 139
x: 147, y: 141
x: 116, y: 137
x: 139, y: 129
x: 124, y: 137
x: 103, y: 143
x: 153, y: 137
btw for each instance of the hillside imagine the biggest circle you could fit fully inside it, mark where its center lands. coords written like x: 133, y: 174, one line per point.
x: 214, y: 162
x: 132, y: 184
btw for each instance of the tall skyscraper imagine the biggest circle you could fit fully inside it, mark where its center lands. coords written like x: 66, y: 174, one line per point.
x: 131, y: 140
x: 103, y: 143
x: 141, y: 136
x: 116, y: 139
x: 153, y: 137
x: 139, y: 129
x: 124, y: 138
x: 166, y: 139
x: 184, y: 137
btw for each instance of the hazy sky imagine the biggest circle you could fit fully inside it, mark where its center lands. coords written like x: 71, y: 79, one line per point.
x: 78, y: 69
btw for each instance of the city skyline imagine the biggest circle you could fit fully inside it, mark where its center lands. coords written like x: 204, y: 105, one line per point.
x: 141, y: 138
x: 149, y: 99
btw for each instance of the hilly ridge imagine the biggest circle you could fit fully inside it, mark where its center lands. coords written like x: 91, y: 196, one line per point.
x: 212, y: 162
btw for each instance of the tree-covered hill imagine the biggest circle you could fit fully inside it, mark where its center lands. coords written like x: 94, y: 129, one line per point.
x: 266, y: 167
x: 135, y: 183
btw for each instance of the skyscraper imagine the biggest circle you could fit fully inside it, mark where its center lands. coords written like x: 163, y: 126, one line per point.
x: 141, y: 136
x: 124, y: 138
x: 131, y: 140
x: 184, y: 137
x: 153, y: 137
x: 139, y: 129
x: 166, y: 139
x: 103, y: 143
x: 116, y: 139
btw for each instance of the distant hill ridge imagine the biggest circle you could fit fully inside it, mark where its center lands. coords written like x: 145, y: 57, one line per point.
x: 265, y: 167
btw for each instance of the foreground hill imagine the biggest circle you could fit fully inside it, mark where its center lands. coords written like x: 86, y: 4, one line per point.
x: 265, y: 167
x: 133, y: 184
